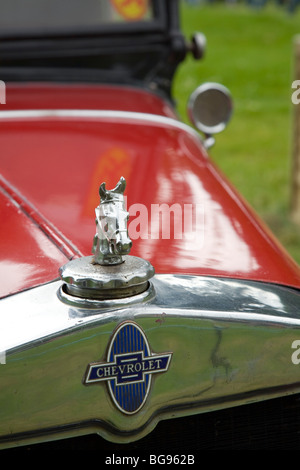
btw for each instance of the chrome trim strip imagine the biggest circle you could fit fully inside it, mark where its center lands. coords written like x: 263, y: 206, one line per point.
x: 230, y: 340
x: 39, y: 312
x: 125, y: 116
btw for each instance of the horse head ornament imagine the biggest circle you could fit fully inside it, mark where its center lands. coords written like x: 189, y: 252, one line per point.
x: 111, y: 240
x: 109, y: 276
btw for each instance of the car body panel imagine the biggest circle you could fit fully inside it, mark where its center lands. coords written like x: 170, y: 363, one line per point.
x: 30, y: 252
x: 29, y: 95
x: 164, y: 162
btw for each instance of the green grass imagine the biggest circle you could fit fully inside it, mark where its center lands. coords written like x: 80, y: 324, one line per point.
x: 251, y: 52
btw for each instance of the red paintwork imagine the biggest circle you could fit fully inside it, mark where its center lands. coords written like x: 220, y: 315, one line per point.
x: 43, y: 96
x: 58, y: 163
x: 28, y: 256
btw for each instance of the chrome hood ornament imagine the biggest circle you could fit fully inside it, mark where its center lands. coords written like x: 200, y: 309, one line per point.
x: 111, y: 240
x: 110, y: 273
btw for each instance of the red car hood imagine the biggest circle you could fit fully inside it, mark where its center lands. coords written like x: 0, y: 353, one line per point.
x: 185, y: 217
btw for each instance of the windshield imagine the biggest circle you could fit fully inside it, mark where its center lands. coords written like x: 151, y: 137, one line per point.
x: 23, y: 17
x: 132, y: 42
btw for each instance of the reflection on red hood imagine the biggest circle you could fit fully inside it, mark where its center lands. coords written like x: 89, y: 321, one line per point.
x: 55, y: 163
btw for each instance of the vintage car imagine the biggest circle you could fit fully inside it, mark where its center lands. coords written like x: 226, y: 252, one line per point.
x: 144, y: 306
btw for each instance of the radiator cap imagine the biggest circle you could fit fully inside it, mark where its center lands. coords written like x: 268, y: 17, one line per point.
x: 110, y: 272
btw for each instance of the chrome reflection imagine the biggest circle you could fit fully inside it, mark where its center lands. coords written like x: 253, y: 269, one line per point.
x: 230, y: 339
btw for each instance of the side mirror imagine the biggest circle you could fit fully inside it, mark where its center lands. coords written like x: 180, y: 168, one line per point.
x: 209, y: 108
